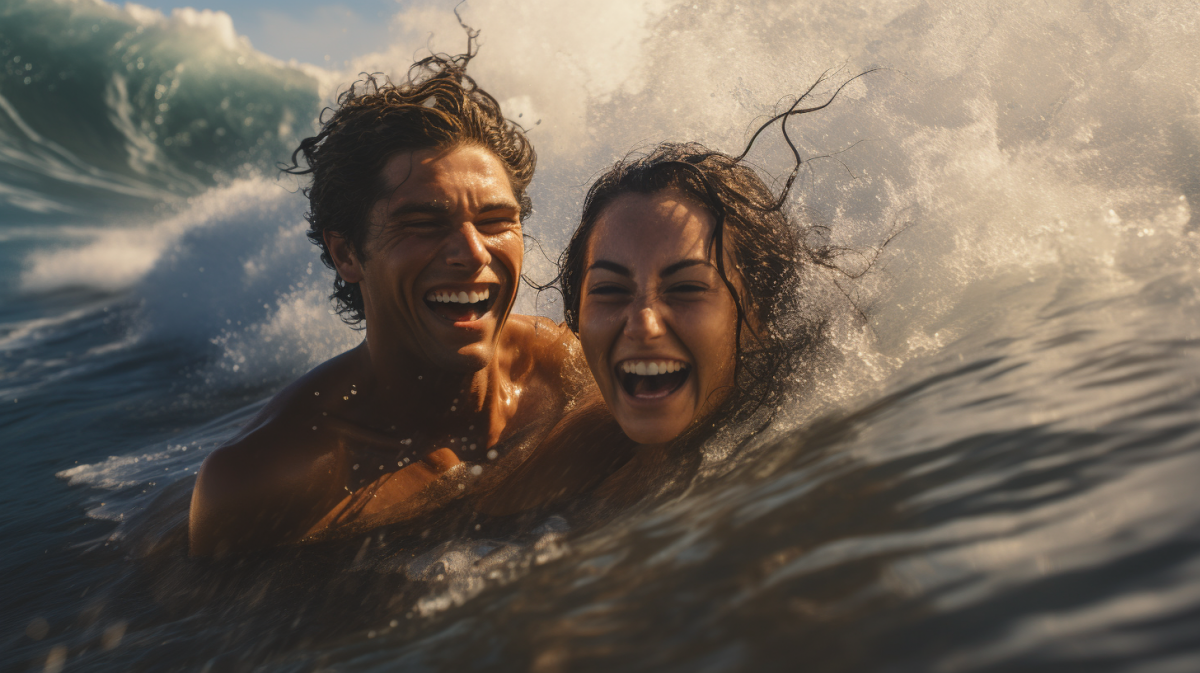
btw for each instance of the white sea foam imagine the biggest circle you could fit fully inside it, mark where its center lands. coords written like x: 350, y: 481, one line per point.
x: 1002, y: 183
x: 1004, y: 154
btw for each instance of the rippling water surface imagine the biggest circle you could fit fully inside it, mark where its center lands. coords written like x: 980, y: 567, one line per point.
x: 996, y: 470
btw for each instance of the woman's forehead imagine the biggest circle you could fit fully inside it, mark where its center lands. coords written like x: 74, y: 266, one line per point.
x: 645, y: 227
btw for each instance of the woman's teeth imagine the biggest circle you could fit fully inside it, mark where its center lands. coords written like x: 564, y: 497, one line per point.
x: 651, y: 368
x: 458, y: 297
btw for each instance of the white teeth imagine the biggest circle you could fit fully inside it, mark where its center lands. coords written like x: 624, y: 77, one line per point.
x: 458, y: 297
x: 646, y: 368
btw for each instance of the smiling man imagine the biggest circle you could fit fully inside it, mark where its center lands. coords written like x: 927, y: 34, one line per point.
x: 417, y: 201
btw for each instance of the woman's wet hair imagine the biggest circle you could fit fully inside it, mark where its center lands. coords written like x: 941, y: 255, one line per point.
x: 439, y: 106
x: 769, y: 249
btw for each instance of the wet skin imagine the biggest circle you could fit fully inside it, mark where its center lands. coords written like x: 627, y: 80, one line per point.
x: 406, y: 421
x: 651, y: 294
x: 656, y: 322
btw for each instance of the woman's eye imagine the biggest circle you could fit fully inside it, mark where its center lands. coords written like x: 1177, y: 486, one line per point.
x: 609, y: 290
x: 689, y: 288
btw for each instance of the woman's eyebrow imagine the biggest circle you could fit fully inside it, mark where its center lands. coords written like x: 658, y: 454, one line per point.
x: 681, y: 265
x: 611, y: 266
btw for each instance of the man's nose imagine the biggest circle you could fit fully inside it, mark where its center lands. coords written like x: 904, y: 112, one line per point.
x: 645, y: 322
x: 466, y: 248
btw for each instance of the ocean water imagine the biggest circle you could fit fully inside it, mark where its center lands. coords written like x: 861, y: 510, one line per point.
x: 993, y: 470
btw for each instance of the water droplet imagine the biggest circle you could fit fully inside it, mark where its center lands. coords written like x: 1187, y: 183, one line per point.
x: 472, y: 447
x: 355, y: 466
x: 477, y: 470
x: 492, y: 455
x: 453, y: 408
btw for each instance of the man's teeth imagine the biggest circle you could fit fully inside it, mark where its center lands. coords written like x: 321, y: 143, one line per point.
x: 651, y: 368
x: 446, y: 297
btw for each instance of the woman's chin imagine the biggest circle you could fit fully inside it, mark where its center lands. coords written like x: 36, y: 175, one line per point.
x: 651, y: 430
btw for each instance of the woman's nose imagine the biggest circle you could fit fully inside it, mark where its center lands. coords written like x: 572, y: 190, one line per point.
x: 644, y: 324
x: 466, y: 248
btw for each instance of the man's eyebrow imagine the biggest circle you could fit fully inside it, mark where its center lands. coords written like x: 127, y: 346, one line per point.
x: 611, y: 266
x: 683, y: 264
x: 499, y: 205
x: 442, y: 208
x: 426, y: 208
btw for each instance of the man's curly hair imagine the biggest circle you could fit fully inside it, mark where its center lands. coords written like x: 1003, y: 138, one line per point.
x: 438, y: 107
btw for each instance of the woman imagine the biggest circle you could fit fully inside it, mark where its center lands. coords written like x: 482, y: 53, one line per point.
x: 682, y: 284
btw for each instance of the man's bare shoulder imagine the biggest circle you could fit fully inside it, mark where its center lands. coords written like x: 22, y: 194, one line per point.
x: 548, y: 353
x: 302, y: 399
x: 291, y: 423
x: 549, y: 344
x: 282, y: 461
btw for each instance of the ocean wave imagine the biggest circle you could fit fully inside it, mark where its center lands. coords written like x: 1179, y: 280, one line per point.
x: 104, y: 109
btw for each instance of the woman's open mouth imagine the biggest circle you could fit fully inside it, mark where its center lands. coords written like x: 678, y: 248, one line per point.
x: 461, y: 305
x: 652, y: 379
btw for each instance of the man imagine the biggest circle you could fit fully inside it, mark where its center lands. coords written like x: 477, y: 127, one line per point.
x: 417, y: 200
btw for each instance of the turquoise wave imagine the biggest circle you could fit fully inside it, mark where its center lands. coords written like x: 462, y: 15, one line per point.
x: 104, y: 109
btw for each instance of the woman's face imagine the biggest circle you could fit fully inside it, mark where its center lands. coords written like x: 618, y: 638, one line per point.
x: 656, y: 322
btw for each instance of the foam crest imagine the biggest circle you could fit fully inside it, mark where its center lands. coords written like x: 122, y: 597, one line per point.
x: 964, y: 133
x: 241, y: 275
x: 118, y: 109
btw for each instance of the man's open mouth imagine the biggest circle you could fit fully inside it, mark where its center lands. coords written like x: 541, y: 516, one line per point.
x: 652, y: 379
x: 461, y: 305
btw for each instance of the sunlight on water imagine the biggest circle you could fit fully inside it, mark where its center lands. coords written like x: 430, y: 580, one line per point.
x: 992, y: 471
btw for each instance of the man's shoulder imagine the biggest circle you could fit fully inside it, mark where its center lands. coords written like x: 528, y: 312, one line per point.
x: 542, y: 334
x: 542, y: 344
x: 285, y: 424
x: 279, y: 463
x: 549, y: 352
x: 302, y: 399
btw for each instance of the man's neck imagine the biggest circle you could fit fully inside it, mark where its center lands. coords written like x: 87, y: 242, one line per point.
x: 398, y: 388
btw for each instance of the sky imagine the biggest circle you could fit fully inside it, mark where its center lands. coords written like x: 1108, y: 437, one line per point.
x: 321, y: 32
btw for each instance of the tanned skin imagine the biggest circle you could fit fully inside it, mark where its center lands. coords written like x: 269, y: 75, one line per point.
x: 431, y: 405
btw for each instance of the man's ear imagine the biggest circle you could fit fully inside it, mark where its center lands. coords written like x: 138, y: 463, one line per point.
x: 344, y: 258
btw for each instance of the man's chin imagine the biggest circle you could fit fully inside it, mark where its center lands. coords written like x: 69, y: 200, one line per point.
x: 466, y: 360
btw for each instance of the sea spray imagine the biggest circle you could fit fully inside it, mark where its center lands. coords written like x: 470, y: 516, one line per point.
x: 104, y: 109
x: 994, y: 477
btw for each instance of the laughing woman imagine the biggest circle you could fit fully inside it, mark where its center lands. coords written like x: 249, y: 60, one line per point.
x: 682, y: 282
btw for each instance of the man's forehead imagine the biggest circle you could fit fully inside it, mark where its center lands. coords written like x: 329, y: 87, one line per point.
x: 442, y: 176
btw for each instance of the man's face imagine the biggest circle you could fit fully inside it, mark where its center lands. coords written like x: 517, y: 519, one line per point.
x: 442, y: 257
